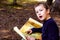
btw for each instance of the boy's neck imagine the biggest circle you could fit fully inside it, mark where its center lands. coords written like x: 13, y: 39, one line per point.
x: 48, y: 17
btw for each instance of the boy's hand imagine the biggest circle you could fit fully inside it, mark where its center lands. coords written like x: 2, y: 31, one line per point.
x: 29, y: 31
x: 30, y: 38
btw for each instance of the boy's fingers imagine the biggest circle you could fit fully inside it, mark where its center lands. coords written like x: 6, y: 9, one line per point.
x: 29, y: 32
x: 30, y: 38
x: 27, y: 37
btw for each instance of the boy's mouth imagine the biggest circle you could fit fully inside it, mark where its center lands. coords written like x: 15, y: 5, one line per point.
x: 40, y: 16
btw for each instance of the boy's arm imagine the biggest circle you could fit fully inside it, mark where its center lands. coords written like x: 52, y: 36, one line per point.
x: 36, y: 30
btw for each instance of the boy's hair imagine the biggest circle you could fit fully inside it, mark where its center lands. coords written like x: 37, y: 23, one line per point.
x: 44, y: 4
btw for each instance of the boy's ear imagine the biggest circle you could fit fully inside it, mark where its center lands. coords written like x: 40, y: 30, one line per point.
x: 48, y: 11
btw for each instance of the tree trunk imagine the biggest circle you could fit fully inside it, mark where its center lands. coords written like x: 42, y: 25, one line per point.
x: 49, y: 2
x: 15, y: 2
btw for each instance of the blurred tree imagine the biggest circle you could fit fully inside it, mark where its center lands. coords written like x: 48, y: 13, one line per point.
x: 56, y: 5
x: 49, y: 2
x: 14, y: 2
x: 57, y: 1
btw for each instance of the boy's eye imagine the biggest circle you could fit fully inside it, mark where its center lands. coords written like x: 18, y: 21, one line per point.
x: 40, y: 10
x: 36, y: 11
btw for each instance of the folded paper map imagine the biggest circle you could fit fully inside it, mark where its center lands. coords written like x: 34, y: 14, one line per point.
x: 31, y: 23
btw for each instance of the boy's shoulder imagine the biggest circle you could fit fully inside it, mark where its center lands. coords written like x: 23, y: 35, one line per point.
x: 50, y: 21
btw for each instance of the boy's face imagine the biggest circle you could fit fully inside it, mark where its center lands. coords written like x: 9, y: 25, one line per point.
x: 41, y: 12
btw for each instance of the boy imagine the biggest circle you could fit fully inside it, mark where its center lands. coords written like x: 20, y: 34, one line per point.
x: 49, y: 29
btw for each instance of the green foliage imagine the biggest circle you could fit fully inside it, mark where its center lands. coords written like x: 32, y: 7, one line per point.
x: 10, y: 1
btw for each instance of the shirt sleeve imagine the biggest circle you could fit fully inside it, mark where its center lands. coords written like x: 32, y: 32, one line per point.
x: 37, y: 30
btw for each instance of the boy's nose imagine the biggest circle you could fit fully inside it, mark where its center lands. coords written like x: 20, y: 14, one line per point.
x: 39, y: 14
